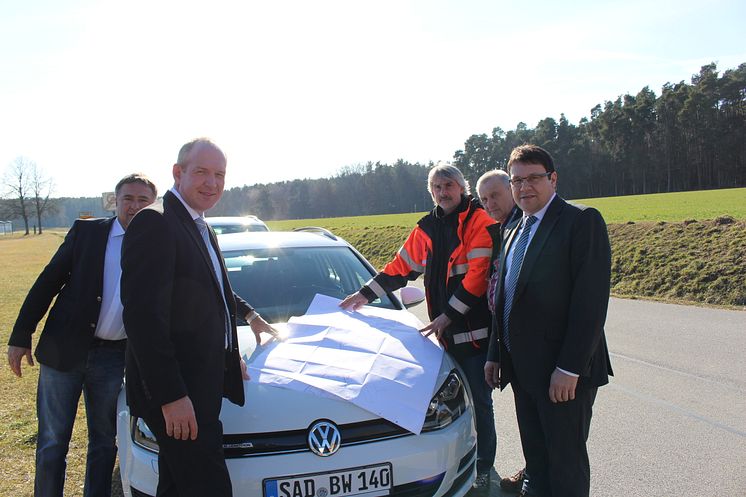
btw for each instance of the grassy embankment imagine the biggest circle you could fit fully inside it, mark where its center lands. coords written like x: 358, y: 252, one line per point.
x: 683, y: 247
x: 665, y: 256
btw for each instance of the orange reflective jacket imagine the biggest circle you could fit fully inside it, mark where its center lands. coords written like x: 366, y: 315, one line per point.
x: 465, y: 280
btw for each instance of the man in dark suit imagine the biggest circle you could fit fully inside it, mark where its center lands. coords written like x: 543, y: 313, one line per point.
x: 493, y: 188
x: 82, y: 345
x: 549, y: 341
x: 180, y: 316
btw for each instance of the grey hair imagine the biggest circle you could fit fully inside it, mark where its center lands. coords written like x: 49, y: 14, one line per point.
x: 189, y: 146
x: 498, y: 174
x: 444, y: 169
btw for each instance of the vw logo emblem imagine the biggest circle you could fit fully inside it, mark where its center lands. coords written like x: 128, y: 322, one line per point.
x: 324, y: 438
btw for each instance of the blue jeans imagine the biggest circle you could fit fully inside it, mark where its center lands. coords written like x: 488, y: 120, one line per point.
x: 484, y: 416
x: 100, y: 380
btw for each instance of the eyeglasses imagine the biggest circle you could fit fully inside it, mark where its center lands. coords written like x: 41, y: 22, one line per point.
x: 531, y: 179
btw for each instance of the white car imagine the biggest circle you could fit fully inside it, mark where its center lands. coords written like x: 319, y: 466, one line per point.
x: 286, y: 443
x: 223, y: 225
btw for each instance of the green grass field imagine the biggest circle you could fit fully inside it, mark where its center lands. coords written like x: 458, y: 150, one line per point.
x: 669, y: 207
x: 659, y: 256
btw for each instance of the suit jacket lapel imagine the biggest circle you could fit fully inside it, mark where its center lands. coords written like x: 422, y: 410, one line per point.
x: 101, y: 239
x: 182, y: 214
x: 537, y: 242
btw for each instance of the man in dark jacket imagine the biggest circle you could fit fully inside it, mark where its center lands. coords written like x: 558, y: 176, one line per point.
x: 82, y: 345
x: 180, y: 313
x: 493, y: 188
x: 551, y: 306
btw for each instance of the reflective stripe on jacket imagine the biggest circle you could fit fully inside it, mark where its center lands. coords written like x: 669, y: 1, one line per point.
x: 465, y: 279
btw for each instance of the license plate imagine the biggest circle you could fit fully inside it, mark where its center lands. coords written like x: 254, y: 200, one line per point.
x: 367, y: 480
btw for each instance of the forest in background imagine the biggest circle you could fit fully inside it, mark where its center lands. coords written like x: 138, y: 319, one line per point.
x: 690, y: 137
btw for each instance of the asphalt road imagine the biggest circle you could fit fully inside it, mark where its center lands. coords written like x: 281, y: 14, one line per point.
x: 672, y: 422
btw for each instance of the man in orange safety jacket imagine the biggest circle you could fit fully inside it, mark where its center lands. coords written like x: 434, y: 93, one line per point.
x: 452, y: 248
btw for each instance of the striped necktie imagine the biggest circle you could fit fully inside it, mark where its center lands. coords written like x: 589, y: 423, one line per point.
x: 511, y: 280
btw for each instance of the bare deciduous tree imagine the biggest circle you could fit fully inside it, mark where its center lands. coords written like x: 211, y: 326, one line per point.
x: 17, y: 183
x: 41, y: 189
x: 27, y: 190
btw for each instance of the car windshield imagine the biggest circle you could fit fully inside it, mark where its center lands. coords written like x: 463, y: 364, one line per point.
x: 224, y: 229
x: 281, y: 282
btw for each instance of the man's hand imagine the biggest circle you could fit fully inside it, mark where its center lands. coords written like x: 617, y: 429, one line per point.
x: 437, y: 326
x: 259, y: 326
x: 562, y: 386
x: 492, y: 373
x: 244, y: 371
x: 14, y: 358
x: 181, y: 422
x: 353, y: 302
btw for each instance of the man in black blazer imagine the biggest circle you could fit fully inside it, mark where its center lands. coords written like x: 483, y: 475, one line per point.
x: 549, y: 341
x: 81, y: 347
x: 493, y: 188
x: 180, y: 316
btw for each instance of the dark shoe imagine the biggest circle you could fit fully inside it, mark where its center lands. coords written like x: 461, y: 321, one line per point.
x: 514, y: 484
x: 526, y: 493
x: 482, y: 483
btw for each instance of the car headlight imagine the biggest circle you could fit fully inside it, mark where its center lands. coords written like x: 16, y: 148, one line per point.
x: 446, y: 405
x: 142, y: 436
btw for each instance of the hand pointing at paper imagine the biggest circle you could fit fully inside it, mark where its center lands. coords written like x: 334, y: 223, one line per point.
x: 353, y: 302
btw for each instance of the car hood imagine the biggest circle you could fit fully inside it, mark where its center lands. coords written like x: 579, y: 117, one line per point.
x: 271, y: 408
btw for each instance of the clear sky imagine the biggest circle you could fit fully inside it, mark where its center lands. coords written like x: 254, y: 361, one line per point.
x: 92, y: 90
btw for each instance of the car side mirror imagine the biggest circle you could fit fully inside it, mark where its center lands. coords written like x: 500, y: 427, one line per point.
x: 411, y: 296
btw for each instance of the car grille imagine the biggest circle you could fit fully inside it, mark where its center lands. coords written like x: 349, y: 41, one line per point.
x: 282, y: 442
x: 468, y: 457
x: 428, y: 488
x: 423, y: 488
x: 459, y: 481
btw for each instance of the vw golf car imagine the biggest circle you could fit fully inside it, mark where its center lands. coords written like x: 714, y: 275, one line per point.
x: 286, y: 443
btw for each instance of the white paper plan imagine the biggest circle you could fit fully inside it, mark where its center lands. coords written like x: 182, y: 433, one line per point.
x: 362, y: 357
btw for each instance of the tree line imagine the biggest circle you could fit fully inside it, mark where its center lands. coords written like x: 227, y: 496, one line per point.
x: 690, y: 137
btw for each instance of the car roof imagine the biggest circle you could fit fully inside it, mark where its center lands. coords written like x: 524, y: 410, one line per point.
x: 275, y: 239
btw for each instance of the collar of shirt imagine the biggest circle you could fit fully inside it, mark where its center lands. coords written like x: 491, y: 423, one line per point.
x: 189, y: 209
x: 116, y: 229
x: 532, y: 231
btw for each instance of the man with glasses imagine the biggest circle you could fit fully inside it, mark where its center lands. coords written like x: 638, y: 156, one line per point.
x: 549, y: 343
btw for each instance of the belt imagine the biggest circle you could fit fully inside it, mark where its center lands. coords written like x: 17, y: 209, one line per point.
x: 110, y: 344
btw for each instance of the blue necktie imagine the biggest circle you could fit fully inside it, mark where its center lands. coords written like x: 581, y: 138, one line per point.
x: 204, y: 231
x: 511, y: 280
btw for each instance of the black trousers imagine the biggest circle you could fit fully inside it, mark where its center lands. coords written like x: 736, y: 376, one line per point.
x: 191, y: 468
x: 554, y: 439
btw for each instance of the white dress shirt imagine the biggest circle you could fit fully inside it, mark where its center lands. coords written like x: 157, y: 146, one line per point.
x: 539, y: 216
x: 110, y: 325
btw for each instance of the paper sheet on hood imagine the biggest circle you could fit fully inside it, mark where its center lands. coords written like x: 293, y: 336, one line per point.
x: 375, y: 358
